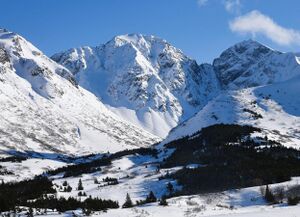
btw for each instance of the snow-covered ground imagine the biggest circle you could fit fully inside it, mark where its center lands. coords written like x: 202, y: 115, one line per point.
x: 193, y: 210
x: 138, y: 175
x: 27, y: 169
x: 246, y: 202
x: 184, y: 207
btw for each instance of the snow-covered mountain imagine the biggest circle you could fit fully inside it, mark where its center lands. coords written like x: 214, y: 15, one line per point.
x: 146, y: 81
x: 143, y: 79
x: 44, y: 110
x: 260, y: 87
x: 250, y: 64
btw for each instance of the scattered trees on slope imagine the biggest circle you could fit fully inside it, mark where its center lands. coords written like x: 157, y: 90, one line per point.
x: 229, y: 154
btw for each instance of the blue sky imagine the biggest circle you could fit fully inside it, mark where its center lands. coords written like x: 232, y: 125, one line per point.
x: 200, y: 28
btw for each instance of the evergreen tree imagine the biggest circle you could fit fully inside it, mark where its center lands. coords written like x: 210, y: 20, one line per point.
x: 128, y: 203
x: 269, y: 196
x: 151, y: 197
x: 80, y: 186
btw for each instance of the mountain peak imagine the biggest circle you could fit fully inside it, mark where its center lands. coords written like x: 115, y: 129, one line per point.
x: 144, y: 77
x: 249, y: 42
x: 20, y: 53
x: 146, y: 44
x: 136, y: 38
x: 9, y: 35
x: 250, y: 63
x: 248, y: 47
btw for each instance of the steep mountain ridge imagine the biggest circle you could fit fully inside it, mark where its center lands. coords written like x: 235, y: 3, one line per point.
x: 144, y: 79
x: 44, y: 110
x: 259, y: 88
x: 251, y: 64
x: 155, y: 86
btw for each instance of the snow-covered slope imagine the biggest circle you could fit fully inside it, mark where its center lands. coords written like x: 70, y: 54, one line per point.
x: 43, y: 109
x: 260, y: 88
x: 143, y: 79
x: 273, y: 108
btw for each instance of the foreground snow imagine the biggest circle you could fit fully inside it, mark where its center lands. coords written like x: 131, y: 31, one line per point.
x: 184, y: 210
x: 193, y: 206
x: 239, y: 203
x: 138, y: 175
x: 192, y: 211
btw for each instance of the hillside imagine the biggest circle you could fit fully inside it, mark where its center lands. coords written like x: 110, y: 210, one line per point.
x: 44, y: 110
x: 259, y: 88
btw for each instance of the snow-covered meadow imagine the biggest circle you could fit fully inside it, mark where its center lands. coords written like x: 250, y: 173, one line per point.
x: 138, y: 175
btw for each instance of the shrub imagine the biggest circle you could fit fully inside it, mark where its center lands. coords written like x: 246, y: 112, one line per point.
x: 292, y: 201
x: 151, y: 198
x: 68, y: 189
x: 163, y: 201
x: 279, y: 194
x: 110, y: 181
